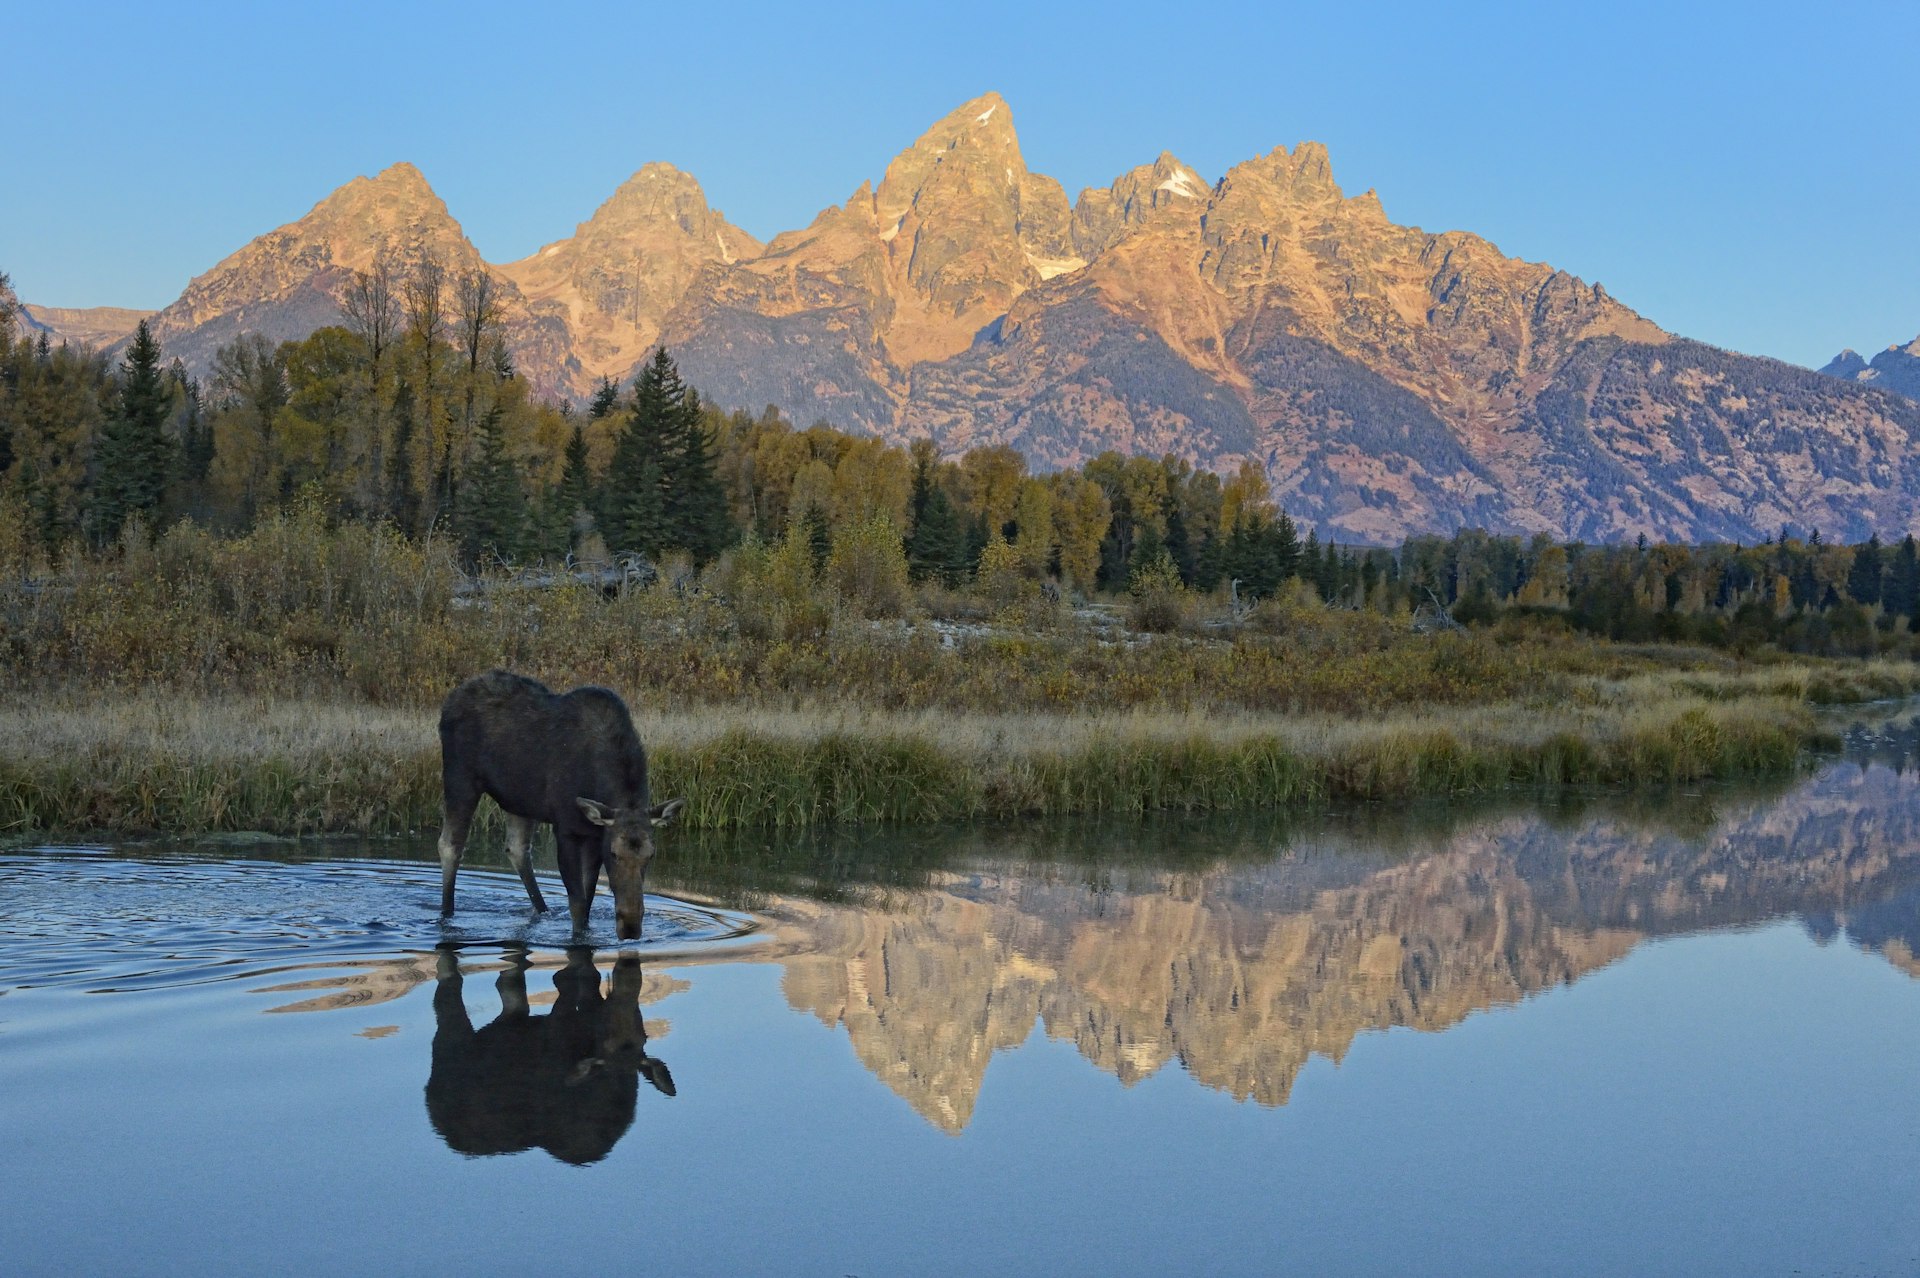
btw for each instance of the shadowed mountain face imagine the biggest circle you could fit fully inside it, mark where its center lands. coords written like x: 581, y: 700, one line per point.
x: 1391, y: 380
x: 1896, y: 369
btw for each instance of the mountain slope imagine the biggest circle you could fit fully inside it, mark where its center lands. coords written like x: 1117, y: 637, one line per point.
x: 623, y: 269
x: 1392, y: 380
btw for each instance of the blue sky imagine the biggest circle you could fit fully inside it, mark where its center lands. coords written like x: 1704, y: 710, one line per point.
x: 1741, y: 173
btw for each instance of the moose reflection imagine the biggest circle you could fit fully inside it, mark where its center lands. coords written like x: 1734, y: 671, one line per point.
x: 565, y: 1081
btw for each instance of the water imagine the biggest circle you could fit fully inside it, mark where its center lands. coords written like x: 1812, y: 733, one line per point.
x: 1594, y: 1036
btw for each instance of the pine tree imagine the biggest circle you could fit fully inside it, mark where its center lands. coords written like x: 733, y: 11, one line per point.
x: 492, y: 515
x: 1285, y: 548
x: 696, y: 504
x: 134, y: 455
x: 1149, y: 550
x: 1179, y: 544
x: 1863, y: 578
x: 606, y: 398
x: 1902, y: 589
x: 937, y: 539
x: 634, y: 514
x: 402, y: 497
x: 576, y: 477
x: 819, y: 537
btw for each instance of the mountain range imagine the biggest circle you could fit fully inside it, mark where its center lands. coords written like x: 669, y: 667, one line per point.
x: 1391, y: 380
x: 1896, y: 369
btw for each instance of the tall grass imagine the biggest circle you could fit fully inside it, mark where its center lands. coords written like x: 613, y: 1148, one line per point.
x: 152, y: 761
x: 286, y: 681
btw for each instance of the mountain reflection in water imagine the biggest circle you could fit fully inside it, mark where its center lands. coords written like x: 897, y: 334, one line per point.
x: 1243, y: 949
x: 1241, y: 972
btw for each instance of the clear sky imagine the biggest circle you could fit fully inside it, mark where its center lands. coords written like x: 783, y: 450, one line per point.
x: 1745, y: 173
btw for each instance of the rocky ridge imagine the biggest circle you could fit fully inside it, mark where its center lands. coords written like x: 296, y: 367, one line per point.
x: 1895, y: 369
x: 83, y: 326
x: 1390, y: 379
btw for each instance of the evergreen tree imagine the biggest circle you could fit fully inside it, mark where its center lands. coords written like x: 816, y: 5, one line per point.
x: 575, y: 492
x: 1902, y: 588
x: 634, y: 513
x: 696, y: 504
x: 937, y: 540
x: 1313, y: 566
x: 1149, y: 550
x: 819, y: 537
x: 1179, y: 544
x: 492, y: 515
x: 134, y: 453
x: 1209, y: 562
x: 1285, y: 552
x: 606, y: 398
x: 1863, y: 578
x: 446, y: 488
x: 402, y: 496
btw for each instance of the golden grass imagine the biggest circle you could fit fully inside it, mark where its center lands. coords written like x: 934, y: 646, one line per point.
x: 151, y: 760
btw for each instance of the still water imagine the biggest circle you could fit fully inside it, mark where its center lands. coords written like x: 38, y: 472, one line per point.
x: 1594, y: 1036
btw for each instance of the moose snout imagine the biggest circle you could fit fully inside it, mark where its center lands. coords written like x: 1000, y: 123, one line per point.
x: 627, y: 926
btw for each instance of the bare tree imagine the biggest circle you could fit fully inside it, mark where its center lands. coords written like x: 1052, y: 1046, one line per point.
x: 9, y: 307
x: 477, y: 302
x: 372, y: 306
x: 425, y: 298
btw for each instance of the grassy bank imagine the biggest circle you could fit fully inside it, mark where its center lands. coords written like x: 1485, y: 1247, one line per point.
x: 107, y: 761
x: 287, y: 682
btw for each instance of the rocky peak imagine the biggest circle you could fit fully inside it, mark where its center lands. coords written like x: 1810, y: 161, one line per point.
x: 1847, y: 364
x: 395, y: 211
x: 1896, y: 369
x: 662, y: 199
x: 966, y: 230
x: 623, y: 269
x: 977, y: 136
x: 1102, y: 218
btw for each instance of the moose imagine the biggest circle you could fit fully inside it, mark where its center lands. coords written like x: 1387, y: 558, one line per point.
x: 572, y: 760
x: 565, y: 1082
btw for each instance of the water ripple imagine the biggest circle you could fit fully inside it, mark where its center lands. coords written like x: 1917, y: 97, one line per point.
x: 104, y: 922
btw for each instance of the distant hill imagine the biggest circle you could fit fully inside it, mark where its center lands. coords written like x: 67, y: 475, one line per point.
x: 84, y: 326
x: 1896, y: 369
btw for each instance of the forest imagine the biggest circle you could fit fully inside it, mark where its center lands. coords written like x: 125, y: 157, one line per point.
x: 409, y: 415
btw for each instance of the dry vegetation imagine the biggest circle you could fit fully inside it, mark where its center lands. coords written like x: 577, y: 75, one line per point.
x: 287, y: 682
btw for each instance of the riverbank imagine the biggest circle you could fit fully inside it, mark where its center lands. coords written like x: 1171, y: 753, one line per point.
x: 288, y: 682
x: 101, y: 760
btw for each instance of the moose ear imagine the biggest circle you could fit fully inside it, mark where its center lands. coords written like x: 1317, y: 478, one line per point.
x: 664, y: 813
x: 594, y: 812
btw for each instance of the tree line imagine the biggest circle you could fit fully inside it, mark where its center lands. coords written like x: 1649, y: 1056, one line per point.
x: 410, y: 412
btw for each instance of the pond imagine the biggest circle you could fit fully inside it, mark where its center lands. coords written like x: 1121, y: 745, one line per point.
x: 1587, y: 1035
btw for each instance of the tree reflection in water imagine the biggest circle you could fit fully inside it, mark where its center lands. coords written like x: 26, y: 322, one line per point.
x: 565, y: 1081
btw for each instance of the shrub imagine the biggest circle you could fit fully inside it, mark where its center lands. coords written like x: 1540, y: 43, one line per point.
x: 1158, y: 602
x: 867, y: 568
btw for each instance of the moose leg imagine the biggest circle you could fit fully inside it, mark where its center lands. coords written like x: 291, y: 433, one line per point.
x: 581, y: 903
x: 462, y: 796
x: 512, y: 986
x: 520, y: 852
